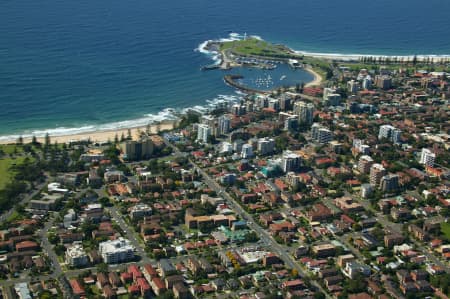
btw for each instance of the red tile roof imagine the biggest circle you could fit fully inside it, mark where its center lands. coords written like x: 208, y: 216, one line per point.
x: 76, y: 287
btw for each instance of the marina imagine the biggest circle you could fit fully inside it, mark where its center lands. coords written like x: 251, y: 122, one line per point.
x: 267, y: 80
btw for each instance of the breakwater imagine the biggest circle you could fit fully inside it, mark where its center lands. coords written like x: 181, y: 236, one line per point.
x: 231, y: 80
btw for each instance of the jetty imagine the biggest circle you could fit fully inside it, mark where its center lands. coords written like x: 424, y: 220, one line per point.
x: 210, y: 67
x: 231, y: 81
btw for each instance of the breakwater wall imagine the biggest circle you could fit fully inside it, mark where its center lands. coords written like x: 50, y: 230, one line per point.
x: 231, y: 81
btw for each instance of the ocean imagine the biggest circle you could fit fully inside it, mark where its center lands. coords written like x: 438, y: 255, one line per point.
x: 77, y: 66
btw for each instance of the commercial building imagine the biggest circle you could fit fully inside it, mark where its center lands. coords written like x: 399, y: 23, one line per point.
x: 116, y: 251
x: 324, y: 250
x: 43, y: 205
x: 293, y: 179
x: 354, y: 269
x: 266, y: 146
x: 364, y: 164
x: 274, y: 104
x: 166, y: 268
x: 113, y: 176
x: 180, y: 291
x: 139, y: 211
x: 94, y: 180
x: 228, y: 178
x: 305, y: 112
x: 76, y: 256
x: 247, y: 151
x: 352, y: 86
x: 192, y: 221
x: 348, y: 205
x: 377, y: 171
x: 390, y: 132
x: 342, y: 260
x: 237, y: 109
x: 383, y: 82
x: 134, y: 150
x: 389, y: 183
x: 427, y: 157
x: 69, y: 218
x: 285, y: 102
x: 360, y: 147
x: 203, y: 133
x: 366, y: 190
x: 393, y: 239
x: 321, y: 134
x: 22, y: 290
x: 331, y: 97
x: 367, y: 82
x: 92, y: 156
x: 93, y: 212
x: 26, y: 245
x: 291, y: 123
x: 224, y: 125
x: 290, y: 161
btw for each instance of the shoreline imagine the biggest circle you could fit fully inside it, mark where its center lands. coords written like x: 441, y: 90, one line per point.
x: 318, y: 79
x: 100, y: 136
x: 356, y: 57
x: 203, y: 48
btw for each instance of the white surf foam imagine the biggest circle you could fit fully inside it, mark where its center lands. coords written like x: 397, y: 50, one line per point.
x: 215, y: 55
x: 349, y: 57
x: 338, y: 56
x: 152, y: 118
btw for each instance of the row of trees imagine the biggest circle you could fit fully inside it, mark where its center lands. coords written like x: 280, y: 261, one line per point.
x: 403, y: 60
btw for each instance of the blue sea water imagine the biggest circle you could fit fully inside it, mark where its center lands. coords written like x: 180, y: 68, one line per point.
x: 69, y: 66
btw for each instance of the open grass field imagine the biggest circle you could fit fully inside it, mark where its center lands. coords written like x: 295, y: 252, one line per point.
x: 5, y: 173
x: 253, y: 46
x: 445, y: 229
x: 9, y: 149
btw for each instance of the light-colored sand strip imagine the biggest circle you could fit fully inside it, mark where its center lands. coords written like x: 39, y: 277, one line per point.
x: 102, y: 136
x: 317, y: 78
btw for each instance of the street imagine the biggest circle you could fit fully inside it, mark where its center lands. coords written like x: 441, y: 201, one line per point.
x: 24, y: 201
x: 129, y: 233
x: 263, y: 234
x: 397, y: 228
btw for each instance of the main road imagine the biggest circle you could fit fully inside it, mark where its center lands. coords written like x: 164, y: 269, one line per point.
x: 262, y: 233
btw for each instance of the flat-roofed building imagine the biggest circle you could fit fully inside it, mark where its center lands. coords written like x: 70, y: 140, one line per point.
x: 324, y: 250
x: 364, y: 164
x: 321, y: 134
x: 377, y: 171
x: 140, y: 211
x: 138, y: 149
x: 76, y: 256
x: 427, y: 157
x: 116, y: 251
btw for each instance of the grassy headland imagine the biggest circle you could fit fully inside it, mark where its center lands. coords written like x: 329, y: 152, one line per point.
x: 253, y: 48
x: 259, y: 48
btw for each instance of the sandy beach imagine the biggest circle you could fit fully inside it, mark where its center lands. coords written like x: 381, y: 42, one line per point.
x: 317, y: 78
x: 102, y: 136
